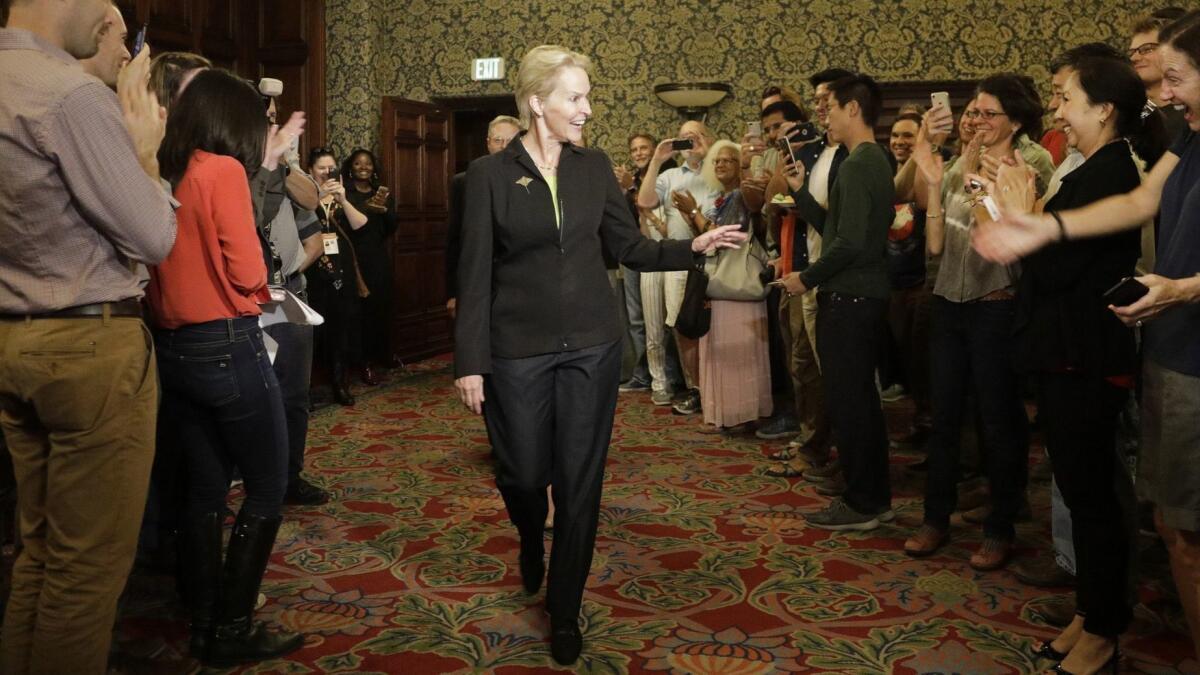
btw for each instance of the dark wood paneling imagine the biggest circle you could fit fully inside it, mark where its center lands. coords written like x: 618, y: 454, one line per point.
x: 416, y: 162
x: 284, y: 39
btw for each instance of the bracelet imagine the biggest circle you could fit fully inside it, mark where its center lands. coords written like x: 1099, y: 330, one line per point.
x: 933, y: 216
x: 1062, y: 228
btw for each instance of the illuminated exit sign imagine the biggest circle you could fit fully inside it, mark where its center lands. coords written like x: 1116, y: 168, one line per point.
x: 488, y: 69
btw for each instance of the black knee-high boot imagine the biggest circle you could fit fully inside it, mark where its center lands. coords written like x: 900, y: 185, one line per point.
x: 237, y: 638
x: 200, y: 576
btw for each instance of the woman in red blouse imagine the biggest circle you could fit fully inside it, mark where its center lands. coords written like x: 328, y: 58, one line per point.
x: 221, y: 404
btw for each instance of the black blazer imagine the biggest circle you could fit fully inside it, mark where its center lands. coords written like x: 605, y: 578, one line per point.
x: 458, y: 187
x: 526, y: 286
x: 1062, y: 320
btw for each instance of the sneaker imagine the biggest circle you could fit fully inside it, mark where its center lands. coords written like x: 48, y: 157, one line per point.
x: 886, y: 515
x: 633, y: 385
x: 300, y: 492
x: 660, y: 398
x: 840, y: 516
x: 892, y: 394
x: 689, y: 405
x: 780, y: 427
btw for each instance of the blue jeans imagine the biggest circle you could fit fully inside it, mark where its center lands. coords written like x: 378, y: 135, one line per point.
x: 970, y: 350
x: 223, y: 403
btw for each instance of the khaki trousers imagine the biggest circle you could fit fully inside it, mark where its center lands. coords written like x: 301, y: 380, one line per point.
x: 78, y: 400
x: 798, y: 324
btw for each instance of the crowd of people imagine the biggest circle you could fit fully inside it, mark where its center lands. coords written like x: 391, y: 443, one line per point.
x: 876, y: 272
x: 782, y: 283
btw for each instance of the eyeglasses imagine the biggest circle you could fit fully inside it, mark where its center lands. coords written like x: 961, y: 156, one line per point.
x: 1143, y: 50
x: 500, y: 140
x: 988, y: 115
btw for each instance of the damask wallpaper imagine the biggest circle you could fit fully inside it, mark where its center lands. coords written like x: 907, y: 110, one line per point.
x: 419, y: 49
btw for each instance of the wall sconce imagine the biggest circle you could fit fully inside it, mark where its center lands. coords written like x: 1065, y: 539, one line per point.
x: 693, y: 99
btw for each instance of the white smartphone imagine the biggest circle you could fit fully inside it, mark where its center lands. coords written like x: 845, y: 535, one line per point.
x: 941, y: 98
x: 754, y: 129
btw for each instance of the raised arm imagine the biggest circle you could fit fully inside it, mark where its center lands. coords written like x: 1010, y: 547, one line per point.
x: 1017, y: 235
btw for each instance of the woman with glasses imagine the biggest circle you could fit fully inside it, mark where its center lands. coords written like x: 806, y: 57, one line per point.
x: 972, y: 317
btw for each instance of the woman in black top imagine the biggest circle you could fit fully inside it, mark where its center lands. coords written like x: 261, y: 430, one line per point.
x: 335, y: 283
x: 537, y: 333
x: 1081, y: 356
x: 372, y: 247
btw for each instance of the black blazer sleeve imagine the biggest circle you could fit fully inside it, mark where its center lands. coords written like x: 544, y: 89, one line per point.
x: 624, y: 241
x: 454, y: 232
x: 472, y: 327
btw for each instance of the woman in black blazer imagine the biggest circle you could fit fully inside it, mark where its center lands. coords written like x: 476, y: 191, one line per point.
x: 537, y: 335
x: 1081, y: 356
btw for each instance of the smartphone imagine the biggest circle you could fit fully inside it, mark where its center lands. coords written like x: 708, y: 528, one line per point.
x: 754, y: 129
x: 140, y: 40
x: 804, y: 133
x: 682, y: 144
x: 1125, y: 292
x: 942, y: 98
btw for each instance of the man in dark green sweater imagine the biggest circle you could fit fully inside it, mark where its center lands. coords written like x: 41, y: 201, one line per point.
x: 852, y: 281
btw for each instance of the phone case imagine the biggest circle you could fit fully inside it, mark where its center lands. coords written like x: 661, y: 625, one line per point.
x: 1125, y: 292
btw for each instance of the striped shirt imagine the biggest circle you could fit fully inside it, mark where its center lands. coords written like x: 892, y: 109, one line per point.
x: 75, y: 206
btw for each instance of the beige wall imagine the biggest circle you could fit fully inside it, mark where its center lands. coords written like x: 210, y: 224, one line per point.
x: 423, y: 48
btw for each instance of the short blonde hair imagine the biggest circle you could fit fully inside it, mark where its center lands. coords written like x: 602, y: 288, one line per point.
x: 709, y: 169
x: 537, y: 73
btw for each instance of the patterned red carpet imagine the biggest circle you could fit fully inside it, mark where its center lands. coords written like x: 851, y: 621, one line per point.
x: 702, y: 565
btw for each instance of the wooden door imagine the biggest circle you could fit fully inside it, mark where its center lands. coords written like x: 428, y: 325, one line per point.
x: 416, y: 156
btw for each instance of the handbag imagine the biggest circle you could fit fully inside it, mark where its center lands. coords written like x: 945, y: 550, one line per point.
x: 737, y: 273
x: 695, y: 312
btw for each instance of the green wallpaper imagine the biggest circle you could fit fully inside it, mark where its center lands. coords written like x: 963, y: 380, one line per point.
x: 423, y: 48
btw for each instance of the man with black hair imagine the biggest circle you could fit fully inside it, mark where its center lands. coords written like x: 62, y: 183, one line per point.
x: 821, y: 161
x: 852, y: 298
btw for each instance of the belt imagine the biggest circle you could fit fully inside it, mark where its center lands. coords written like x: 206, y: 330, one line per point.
x: 995, y: 296
x: 94, y: 310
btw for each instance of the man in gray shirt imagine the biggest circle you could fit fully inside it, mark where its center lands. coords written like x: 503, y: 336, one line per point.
x: 80, y: 202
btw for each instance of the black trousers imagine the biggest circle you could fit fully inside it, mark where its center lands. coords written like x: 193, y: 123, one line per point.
x: 549, y: 419
x: 850, y: 331
x: 970, y: 348
x: 293, y: 369
x: 1078, y: 415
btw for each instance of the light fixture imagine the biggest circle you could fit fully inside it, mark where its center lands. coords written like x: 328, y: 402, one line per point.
x: 693, y: 99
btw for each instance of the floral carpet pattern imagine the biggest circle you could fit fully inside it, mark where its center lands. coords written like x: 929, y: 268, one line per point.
x: 702, y: 564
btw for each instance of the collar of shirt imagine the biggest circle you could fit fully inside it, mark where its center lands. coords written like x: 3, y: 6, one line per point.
x: 20, y: 39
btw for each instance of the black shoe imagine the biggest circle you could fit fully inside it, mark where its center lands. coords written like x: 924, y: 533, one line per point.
x: 533, y: 565
x: 780, y: 427
x: 565, y: 643
x: 1045, y: 650
x: 236, y: 637
x: 633, y: 385
x: 300, y: 492
x: 200, y: 577
x: 689, y: 405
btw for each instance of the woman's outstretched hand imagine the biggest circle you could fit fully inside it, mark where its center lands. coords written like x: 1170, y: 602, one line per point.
x: 725, y: 236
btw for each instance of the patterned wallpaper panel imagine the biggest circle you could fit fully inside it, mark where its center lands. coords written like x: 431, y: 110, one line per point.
x: 419, y: 49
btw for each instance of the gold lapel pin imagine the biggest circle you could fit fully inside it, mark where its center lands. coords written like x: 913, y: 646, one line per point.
x: 524, y: 182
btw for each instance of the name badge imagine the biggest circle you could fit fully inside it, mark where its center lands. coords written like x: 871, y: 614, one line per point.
x: 330, y: 241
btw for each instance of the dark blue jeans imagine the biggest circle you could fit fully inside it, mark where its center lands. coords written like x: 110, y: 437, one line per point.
x: 970, y: 350
x: 850, y: 331
x: 223, y: 403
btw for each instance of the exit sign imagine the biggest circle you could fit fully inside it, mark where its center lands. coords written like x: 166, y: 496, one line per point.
x: 488, y: 69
